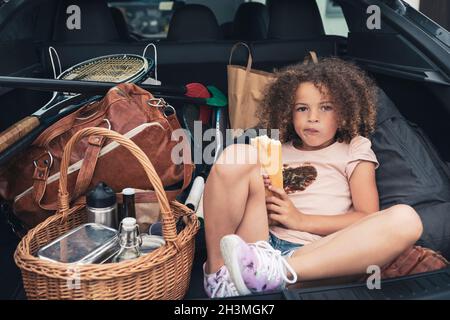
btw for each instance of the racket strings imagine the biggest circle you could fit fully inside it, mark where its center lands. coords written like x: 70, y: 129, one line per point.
x: 117, y: 69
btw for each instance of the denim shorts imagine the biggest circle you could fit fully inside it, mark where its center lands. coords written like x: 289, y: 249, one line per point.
x: 287, y: 248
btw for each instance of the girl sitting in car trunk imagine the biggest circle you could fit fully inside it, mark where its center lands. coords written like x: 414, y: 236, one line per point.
x: 327, y: 221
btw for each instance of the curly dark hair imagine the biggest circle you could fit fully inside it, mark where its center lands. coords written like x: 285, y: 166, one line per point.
x: 352, y: 91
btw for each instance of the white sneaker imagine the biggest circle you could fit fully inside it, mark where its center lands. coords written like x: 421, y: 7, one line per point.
x: 255, y: 267
x: 219, y: 284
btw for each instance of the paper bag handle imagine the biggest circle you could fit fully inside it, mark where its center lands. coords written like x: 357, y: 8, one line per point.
x: 250, y: 58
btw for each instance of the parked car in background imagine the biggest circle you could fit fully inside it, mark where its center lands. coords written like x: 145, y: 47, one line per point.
x: 146, y: 18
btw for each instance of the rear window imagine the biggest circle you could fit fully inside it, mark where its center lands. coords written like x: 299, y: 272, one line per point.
x: 151, y: 18
x: 332, y: 17
x: 148, y: 19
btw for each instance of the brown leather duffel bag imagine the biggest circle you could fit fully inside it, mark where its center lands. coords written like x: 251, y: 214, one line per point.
x: 30, y: 181
x: 414, y: 260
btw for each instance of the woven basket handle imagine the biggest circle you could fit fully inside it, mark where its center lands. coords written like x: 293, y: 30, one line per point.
x: 169, y: 227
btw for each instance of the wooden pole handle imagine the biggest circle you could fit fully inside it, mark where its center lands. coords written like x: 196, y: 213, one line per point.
x: 17, y: 131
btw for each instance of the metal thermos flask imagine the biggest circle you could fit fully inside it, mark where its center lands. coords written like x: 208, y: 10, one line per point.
x: 101, y: 206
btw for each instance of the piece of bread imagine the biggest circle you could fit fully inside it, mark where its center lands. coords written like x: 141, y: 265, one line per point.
x: 269, y: 155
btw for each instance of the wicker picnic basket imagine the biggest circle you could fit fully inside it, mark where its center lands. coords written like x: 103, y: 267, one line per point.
x: 161, y: 274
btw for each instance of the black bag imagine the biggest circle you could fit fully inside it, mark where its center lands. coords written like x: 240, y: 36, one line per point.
x: 412, y: 172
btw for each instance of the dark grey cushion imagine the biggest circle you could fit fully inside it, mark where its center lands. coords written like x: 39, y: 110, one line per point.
x: 411, y: 172
x: 193, y: 22
x: 293, y: 19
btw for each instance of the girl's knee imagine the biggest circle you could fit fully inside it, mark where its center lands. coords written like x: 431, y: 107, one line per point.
x: 238, y: 154
x: 406, y: 220
x: 236, y: 159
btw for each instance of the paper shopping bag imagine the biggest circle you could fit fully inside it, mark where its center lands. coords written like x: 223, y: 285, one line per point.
x: 245, y: 91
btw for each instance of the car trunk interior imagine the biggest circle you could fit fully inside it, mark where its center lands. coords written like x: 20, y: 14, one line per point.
x: 424, y: 103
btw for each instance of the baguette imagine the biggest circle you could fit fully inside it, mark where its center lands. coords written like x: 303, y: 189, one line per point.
x: 269, y: 155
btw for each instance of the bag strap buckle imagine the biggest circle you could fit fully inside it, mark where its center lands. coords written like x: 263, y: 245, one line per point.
x: 47, y: 162
x: 161, y: 103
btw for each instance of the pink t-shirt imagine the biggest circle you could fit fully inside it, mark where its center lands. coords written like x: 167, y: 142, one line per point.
x: 317, y: 181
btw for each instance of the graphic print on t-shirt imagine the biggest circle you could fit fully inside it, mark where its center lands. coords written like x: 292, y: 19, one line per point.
x: 298, y: 177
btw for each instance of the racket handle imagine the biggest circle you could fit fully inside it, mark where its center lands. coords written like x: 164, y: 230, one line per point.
x: 17, y: 131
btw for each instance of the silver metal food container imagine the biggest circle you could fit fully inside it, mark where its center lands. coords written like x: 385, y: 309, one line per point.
x: 151, y: 243
x: 89, y: 243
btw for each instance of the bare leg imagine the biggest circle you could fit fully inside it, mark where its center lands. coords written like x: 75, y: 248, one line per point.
x: 375, y: 240
x: 319, y: 243
x: 234, y: 202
